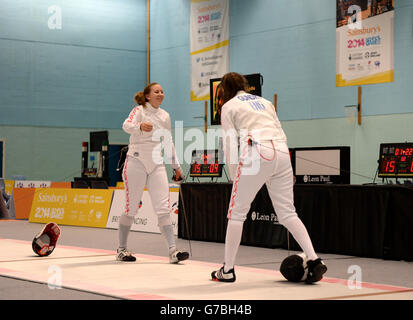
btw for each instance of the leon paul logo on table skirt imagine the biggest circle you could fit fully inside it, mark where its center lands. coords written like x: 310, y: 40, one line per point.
x: 256, y: 216
x: 316, y: 179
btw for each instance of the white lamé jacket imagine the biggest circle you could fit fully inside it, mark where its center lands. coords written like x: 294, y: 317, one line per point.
x: 245, y: 117
x: 147, y: 146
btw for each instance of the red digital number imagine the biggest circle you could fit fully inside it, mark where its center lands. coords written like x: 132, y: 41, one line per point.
x: 411, y: 168
x: 197, y: 168
x: 213, y: 168
x: 396, y: 153
x: 390, y: 166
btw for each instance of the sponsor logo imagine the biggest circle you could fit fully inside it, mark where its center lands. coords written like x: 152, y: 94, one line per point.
x: 355, y: 56
x: 52, y: 198
x: 210, y: 8
x: 310, y: 179
x: 203, y: 30
x: 256, y: 216
x: 209, y: 74
x: 357, y: 32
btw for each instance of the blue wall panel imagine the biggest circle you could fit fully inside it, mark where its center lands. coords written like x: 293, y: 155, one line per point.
x: 82, y: 75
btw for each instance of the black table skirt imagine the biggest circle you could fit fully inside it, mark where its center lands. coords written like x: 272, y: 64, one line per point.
x: 369, y: 221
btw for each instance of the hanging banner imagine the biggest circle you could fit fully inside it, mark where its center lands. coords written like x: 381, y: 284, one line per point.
x: 364, y: 42
x: 209, y: 36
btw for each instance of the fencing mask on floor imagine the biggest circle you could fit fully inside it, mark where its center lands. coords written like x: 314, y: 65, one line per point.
x: 45, y: 242
x: 294, y: 267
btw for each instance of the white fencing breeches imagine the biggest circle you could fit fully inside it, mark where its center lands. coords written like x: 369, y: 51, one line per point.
x: 135, y: 178
x: 272, y: 167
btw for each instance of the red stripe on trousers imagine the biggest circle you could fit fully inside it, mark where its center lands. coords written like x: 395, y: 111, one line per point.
x: 126, y: 185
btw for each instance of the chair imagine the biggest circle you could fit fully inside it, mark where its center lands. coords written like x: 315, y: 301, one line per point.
x: 80, y: 184
x: 99, y: 184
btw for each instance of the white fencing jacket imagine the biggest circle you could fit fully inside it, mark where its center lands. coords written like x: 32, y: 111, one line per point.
x: 147, y: 146
x: 245, y: 117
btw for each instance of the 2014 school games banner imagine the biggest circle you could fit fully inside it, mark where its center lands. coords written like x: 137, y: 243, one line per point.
x: 364, y: 42
x: 75, y: 207
x: 209, y: 36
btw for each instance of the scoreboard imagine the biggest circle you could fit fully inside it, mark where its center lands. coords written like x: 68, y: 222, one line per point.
x: 396, y: 160
x: 206, y: 163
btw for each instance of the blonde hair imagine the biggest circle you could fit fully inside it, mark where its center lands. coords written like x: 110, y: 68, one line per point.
x: 140, y: 97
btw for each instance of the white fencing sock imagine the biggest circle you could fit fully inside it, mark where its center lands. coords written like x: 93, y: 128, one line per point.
x: 168, y: 233
x: 297, y: 229
x: 232, y: 242
x: 125, y: 223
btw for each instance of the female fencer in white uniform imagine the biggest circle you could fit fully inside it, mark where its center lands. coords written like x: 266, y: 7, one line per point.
x: 264, y: 157
x: 149, y: 127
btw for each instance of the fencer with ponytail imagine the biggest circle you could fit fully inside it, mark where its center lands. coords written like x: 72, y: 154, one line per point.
x: 140, y: 97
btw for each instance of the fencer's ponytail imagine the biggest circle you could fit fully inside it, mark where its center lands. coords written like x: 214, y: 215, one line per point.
x: 140, y: 97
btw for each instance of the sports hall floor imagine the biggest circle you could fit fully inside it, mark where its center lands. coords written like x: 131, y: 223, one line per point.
x: 83, y: 266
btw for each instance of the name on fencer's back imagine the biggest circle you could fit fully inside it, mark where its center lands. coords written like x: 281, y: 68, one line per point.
x: 253, y: 101
x: 247, y: 97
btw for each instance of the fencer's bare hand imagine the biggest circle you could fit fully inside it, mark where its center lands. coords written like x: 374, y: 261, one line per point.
x: 146, y: 126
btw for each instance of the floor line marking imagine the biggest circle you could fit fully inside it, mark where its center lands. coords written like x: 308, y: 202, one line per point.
x: 367, y: 294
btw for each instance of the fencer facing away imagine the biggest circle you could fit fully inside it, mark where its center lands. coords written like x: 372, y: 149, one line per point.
x: 263, y: 158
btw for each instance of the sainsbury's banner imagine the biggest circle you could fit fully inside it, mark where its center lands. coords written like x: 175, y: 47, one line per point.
x: 209, y: 35
x: 364, y: 42
x: 76, y: 207
x: 145, y: 220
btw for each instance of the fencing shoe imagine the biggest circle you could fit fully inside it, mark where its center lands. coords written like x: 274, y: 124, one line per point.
x: 124, y: 255
x: 222, y: 276
x: 178, y: 256
x: 316, y: 269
